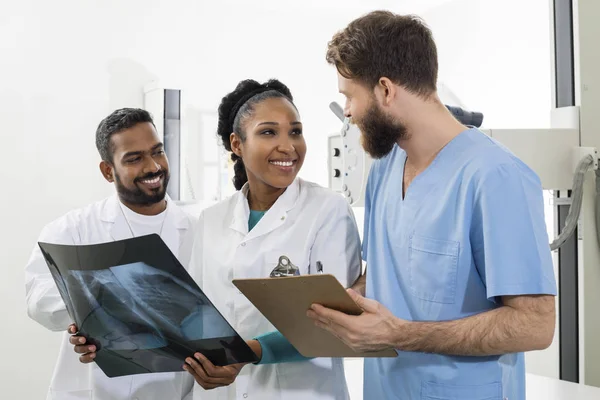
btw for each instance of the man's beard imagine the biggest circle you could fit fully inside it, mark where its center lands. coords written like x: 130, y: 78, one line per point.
x: 379, y: 131
x: 137, y: 196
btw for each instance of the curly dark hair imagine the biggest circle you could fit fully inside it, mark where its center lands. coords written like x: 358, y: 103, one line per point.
x: 235, y: 109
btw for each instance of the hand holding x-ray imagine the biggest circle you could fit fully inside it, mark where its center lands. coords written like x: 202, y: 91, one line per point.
x: 136, y: 310
x: 209, y: 376
x: 82, y: 346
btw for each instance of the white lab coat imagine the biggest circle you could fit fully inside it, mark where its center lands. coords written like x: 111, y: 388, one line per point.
x: 99, y: 223
x: 307, y: 223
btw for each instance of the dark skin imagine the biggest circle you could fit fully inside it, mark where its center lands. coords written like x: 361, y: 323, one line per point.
x: 137, y: 153
x: 273, y: 151
x: 272, y: 136
x: 207, y: 375
x: 88, y: 352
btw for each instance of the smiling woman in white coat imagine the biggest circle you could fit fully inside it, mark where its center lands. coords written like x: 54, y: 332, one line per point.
x: 274, y: 213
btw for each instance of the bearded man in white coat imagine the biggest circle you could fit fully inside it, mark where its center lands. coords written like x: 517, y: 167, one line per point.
x: 133, y: 159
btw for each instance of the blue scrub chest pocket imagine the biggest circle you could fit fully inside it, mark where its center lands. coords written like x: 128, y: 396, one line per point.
x: 440, y: 391
x: 433, y: 268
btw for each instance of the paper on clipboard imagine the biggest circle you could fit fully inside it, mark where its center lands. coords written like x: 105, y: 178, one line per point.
x: 285, y: 301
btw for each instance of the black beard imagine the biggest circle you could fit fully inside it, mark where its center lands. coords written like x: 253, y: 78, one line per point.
x: 137, y: 196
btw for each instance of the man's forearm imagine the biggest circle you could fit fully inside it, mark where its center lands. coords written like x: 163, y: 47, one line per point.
x: 500, y: 331
x: 361, y: 284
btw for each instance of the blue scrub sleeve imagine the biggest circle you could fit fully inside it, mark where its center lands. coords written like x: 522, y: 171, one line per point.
x: 277, y: 349
x: 509, y: 240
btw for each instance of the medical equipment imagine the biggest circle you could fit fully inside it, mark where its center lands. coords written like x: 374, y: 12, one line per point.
x: 165, y: 106
x: 198, y: 163
x: 468, y: 118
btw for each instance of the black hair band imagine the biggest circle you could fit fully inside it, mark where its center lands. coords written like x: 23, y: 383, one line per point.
x: 243, y: 100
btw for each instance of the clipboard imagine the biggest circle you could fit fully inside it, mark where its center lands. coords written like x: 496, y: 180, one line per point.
x: 284, y: 302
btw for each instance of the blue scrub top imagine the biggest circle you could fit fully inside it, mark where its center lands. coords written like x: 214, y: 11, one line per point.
x: 470, y: 229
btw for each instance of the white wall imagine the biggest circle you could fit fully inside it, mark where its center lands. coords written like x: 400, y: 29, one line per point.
x: 495, y: 56
x: 66, y: 64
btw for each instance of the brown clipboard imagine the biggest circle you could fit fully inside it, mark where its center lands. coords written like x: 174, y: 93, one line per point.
x: 284, y: 302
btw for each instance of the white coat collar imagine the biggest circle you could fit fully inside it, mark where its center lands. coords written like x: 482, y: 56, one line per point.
x: 112, y: 213
x: 273, y: 218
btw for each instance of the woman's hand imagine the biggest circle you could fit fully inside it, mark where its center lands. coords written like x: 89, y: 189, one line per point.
x: 209, y: 376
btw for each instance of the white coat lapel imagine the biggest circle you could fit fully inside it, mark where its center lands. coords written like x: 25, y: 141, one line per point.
x: 277, y: 214
x: 113, y: 217
x: 241, y: 212
x: 174, y: 229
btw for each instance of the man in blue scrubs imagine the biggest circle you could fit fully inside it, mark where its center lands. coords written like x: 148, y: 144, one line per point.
x: 459, y: 272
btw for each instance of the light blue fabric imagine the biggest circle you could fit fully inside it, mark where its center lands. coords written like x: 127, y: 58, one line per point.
x: 470, y: 229
x: 277, y: 349
x: 255, y: 216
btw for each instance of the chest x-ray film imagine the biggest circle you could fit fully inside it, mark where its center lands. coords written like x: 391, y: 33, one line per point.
x: 139, y: 306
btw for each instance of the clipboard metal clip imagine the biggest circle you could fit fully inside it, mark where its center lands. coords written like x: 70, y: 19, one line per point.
x: 284, y: 268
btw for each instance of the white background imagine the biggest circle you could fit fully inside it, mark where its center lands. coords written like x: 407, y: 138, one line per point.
x: 64, y: 65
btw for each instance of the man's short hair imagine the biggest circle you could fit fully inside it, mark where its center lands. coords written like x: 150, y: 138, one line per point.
x: 383, y: 44
x: 119, y: 120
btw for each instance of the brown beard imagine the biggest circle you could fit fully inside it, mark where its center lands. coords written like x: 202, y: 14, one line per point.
x: 379, y: 131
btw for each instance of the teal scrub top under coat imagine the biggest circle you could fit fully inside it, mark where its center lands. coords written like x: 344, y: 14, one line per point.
x: 470, y: 229
x: 255, y: 216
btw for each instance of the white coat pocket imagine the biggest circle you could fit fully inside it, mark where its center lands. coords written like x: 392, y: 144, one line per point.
x: 433, y: 265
